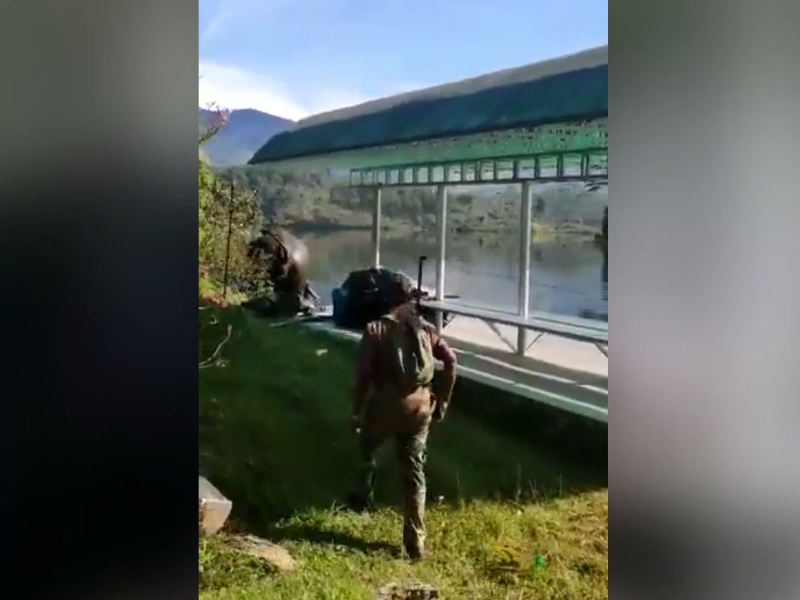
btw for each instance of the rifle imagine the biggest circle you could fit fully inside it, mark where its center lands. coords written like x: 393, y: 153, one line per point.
x: 422, y: 260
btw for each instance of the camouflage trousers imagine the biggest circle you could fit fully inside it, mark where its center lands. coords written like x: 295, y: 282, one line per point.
x: 411, y: 452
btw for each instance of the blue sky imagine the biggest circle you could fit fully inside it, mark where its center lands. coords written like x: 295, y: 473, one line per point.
x: 293, y: 58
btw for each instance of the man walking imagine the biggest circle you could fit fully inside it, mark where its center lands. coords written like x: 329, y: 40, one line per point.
x: 393, y: 398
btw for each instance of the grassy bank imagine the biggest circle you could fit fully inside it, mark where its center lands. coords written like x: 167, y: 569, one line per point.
x: 274, y: 438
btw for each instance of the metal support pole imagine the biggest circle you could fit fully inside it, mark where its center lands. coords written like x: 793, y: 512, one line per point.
x: 441, y: 234
x: 524, y: 265
x: 376, y: 228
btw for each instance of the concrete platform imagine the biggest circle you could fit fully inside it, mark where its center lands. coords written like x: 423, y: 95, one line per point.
x: 572, y: 376
x: 551, y: 349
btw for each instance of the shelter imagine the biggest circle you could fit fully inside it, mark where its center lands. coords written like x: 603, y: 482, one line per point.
x: 544, y: 122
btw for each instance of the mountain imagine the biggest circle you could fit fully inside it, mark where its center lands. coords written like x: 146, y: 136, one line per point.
x: 246, y: 131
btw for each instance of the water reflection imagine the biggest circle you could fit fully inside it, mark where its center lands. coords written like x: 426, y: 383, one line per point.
x: 482, y: 269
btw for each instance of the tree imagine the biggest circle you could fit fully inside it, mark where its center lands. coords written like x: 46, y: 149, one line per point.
x: 228, y: 215
x: 216, y: 119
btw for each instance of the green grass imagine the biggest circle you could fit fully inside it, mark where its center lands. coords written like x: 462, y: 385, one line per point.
x: 503, y: 482
x: 212, y: 291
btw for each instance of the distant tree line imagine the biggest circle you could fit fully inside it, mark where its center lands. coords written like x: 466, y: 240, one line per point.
x: 279, y: 191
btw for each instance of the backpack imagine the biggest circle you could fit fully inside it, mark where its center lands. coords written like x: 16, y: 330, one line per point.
x: 409, y: 353
x: 365, y: 296
x: 362, y: 298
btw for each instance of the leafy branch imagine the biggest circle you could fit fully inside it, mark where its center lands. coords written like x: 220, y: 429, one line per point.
x: 218, y: 118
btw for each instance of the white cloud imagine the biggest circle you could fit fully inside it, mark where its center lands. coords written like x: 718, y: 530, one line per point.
x: 214, y: 27
x: 233, y: 87
x: 222, y: 13
x: 226, y: 13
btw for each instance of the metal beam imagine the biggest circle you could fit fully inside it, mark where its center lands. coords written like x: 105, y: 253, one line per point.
x: 441, y: 235
x: 524, y: 265
x: 567, y: 179
x: 376, y: 227
x: 551, y: 167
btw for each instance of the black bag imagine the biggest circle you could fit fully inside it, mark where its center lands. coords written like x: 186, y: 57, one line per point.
x: 367, y: 294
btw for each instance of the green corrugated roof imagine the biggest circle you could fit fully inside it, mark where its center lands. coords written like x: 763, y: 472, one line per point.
x: 566, y: 89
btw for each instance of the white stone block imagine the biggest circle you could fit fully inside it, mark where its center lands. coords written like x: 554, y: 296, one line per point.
x: 214, y: 508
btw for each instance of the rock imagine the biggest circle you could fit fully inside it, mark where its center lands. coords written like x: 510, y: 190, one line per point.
x: 214, y: 508
x: 415, y: 591
x: 265, y: 550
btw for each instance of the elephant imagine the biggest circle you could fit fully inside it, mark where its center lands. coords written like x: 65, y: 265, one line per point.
x: 287, y: 258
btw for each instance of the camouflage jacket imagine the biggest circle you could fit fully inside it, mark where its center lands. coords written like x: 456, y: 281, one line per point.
x: 382, y: 405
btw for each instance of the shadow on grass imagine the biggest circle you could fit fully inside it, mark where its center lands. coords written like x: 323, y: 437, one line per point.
x: 319, y: 534
x: 274, y: 434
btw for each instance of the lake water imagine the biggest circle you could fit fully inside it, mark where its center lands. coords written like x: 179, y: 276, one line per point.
x: 568, y: 276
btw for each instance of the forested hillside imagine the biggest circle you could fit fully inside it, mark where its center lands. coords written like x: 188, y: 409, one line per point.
x: 310, y: 198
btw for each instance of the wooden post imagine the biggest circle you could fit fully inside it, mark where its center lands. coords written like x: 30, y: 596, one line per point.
x: 228, y: 245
